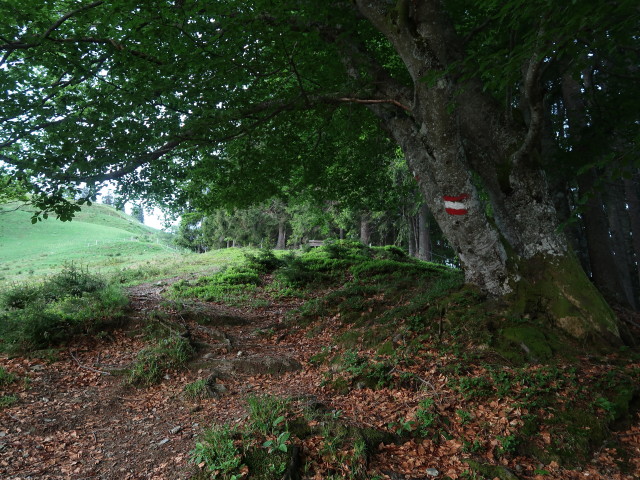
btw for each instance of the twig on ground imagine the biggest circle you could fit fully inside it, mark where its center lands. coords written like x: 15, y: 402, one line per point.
x: 86, y: 367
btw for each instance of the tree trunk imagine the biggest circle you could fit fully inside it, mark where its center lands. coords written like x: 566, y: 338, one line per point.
x: 596, y: 225
x: 365, y: 228
x: 620, y: 243
x: 282, y: 236
x: 424, y: 237
x: 633, y: 201
x: 411, y: 236
x: 449, y: 132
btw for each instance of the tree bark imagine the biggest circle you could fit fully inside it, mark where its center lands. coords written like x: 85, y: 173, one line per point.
x: 424, y: 237
x: 633, y: 200
x: 620, y: 243
x: 365, y: 228
x: 282, y: 236
x: 454, y: 130
x: 411, y: 236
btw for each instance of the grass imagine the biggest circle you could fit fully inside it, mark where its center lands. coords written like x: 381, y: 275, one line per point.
x: 41, y: 315
x: 153, y: 362
x: 6, y: 377
x: 100, y: 238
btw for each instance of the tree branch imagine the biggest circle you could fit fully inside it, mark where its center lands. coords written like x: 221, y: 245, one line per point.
x: 534, y: 96
x: 67, y: 16
x: 370, y: 101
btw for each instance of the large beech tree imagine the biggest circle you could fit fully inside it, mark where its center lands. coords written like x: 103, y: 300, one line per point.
x: 226, y: 102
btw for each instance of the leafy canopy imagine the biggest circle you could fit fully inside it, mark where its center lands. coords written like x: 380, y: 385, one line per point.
x: 232, y: 102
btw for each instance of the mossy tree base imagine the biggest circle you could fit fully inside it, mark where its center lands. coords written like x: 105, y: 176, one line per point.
x: 556, y: 290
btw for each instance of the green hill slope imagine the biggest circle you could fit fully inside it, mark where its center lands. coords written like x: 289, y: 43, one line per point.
x: 99, y: 237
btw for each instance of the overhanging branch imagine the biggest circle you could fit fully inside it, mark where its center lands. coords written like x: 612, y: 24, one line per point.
x: 370, y: 101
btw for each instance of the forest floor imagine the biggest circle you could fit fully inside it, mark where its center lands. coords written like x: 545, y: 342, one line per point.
x: 75, y: 417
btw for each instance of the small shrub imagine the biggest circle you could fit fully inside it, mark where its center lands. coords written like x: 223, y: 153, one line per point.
x: 425, y: 416
x: 43, y: 323
x: 217, y: 453
x: 69, y: 303
x: 8, y: 401
x: 266, y: 413
x: 20, y: 296
x: 6, y: 377
x: 373, y: 374
x: 297, y: 273
x: 74, y: 281
x: 196, y: 390
x: 265, y: 261
x: 508, y: 444
x: 346, y: 249
x: 152, y: 362
x: 391, y: 252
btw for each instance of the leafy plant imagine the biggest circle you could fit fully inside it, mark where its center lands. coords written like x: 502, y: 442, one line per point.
x: 508, y: 444
x: 425, y: 416
x: 465, y: 417
x: 217, y: 453
x: 43, y: 316
x: 196, y: 390
x: 278, y: 443
x: 8, y: 401
x: 266, y: 413
x: 152, y: 362
x: 472, y: 447
x: 6, y: 377
x: 373, y: 373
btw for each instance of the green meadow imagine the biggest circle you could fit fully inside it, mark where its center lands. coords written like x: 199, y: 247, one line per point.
x: 99, y: 238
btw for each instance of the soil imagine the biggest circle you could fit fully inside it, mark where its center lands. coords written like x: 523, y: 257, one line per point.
x: 77, y: 419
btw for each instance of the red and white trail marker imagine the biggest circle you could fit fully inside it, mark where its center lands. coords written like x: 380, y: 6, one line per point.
x: 456, y: 205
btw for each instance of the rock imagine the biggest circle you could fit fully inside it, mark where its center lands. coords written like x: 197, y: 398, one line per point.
x: 432, y: 472
x: 163, y: 441
x: 258, y: 365
x: 213, y: 388
x: 175, y: 430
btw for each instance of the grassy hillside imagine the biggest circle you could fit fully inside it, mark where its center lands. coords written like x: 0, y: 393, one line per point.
x: 99, y: 237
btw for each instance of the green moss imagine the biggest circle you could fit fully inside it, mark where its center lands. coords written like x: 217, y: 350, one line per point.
x: 349, y: 339
x: 491, y: 471
x: 557, y: 290
x: 574, y: 434
x: 386, y: 348
x: 341, y: 385
x: 525, y: 341
x: 264, y: 465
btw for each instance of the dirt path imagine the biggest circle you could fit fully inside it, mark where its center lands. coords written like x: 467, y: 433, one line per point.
x: 75, y: 420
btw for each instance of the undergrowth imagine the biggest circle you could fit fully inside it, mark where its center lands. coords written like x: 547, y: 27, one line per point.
x: 153, y: 362
x: 72, y: 302
x: 390, y: 315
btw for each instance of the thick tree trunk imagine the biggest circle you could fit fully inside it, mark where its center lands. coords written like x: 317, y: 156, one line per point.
x: 453, y: 131
x: 596, y: 227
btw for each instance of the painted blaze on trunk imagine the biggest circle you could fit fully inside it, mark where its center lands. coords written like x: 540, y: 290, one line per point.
x: 458, y: 141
